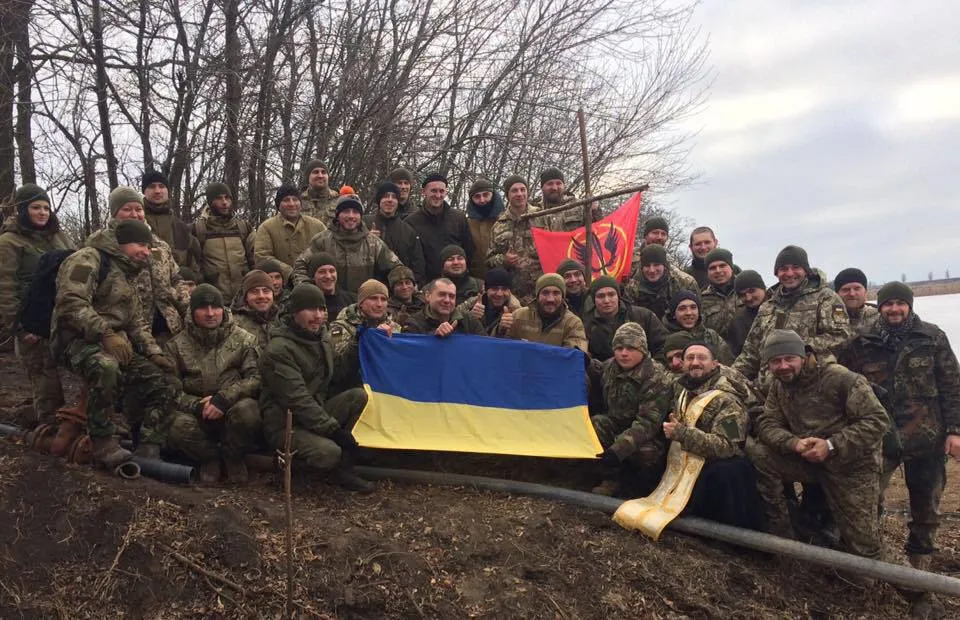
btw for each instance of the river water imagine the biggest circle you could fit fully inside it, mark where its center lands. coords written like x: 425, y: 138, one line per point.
x: 944, y: 311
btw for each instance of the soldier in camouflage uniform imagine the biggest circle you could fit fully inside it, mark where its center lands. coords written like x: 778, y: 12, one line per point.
x: 318, y: 200
x: 801, y: 302
x: 654, y: 283
x: 494, y: 308
x: 548, y: 320
x: 453, y: 261
x: 820, y: 423
x: 278, y: 277
x: 255, y: 310
x: 851, y: 285
x: 512, y: 246
x: 31, y: 232
x: 751, y: 293
x: 719, y: 301
x: 371, y: 310
x: 405, y: 300
x: 217, y: 418
x: 913, y: 362
x: 226, y: 241
x: 683, y: 314
x: 98, y: 330
x: 553, y: 194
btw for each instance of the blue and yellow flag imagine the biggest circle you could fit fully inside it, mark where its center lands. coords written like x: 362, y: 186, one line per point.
x: 469, y: 393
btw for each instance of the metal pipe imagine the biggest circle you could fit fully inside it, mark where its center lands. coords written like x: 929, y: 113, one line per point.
x: 903, y: 576
x: 7, y: 430
x: 164, y: 471
x: 128, y: 470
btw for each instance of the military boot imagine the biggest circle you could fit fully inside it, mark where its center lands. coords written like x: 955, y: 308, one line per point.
x: 236, y: 470
x: 924, y: 605
x: 349, y: 479
x: 108, y: 453
x: 210, y: 472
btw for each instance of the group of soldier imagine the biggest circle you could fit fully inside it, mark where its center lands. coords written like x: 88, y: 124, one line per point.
x: 202, y: 337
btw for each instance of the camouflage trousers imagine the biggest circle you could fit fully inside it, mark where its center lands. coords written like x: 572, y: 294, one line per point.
x: 44, y: 379
x: 926, y: 477
x: 201, y: 441
x: 852, y: 489
x: 316, y: 452
x: 148, y: 394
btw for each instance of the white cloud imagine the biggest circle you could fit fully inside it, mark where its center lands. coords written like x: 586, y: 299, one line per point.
x: 929, y: 100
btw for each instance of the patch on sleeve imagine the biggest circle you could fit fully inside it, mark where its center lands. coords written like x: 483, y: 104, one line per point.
x: 840, y: 314
x: 81, y: 273
x: 730, y: 428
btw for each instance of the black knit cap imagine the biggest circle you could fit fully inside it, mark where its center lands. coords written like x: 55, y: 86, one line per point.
x: 895, y: 290
x: 701, y: 343
x: 349, y: 201
x: 512, y: 180
x: 498, y: 276
x: 681, y: 296
x: 848, y: 276
x: 550, y: 174
x: 189, y: 275
x: 153, y: 176
x: 481, y: 185
x: 604, y: 281
x: 316, y: 261
x: 386, y: 187
x: 656, y: 223
x: 133, y: 231
x: 451, y: 250
x: 791, y: 255
x: 206, y: 295
x: 748, y: 279
x: 434, y: 176
x: 718, y: 254
x: 282, y: 192
x: 306, y: 295
x: 570, y: 264
x: 653, y: 255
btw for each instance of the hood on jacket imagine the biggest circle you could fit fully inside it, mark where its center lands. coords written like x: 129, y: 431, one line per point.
x: 491, y: 210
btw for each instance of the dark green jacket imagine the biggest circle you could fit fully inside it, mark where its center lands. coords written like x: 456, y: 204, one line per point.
x: 600, y: 330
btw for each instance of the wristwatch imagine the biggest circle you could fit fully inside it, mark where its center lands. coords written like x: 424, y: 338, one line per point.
x: 830, y: 448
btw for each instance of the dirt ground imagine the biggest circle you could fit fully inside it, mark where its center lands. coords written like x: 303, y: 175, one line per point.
x: 77, y: 543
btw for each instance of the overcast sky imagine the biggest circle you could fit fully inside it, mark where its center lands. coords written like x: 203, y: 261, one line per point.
x: 834, y: 125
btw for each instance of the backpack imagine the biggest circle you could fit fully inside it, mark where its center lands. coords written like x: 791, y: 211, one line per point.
x: 36, y: 310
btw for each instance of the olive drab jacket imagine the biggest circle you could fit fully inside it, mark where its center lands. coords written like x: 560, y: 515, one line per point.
x: 566, y: 330
x: 253, y: 321
x: 481, y: 220
x: 20, y: 250
x: 283, y: 240
x: 88, y: 311
x: 175, y: 233
x: 227, y: 248
x: 220, y: 362
x: 600, y: 329
x: 358, y: 255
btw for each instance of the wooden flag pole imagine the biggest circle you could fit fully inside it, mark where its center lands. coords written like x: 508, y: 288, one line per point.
x: 631, y: 189
x: 588, y: 207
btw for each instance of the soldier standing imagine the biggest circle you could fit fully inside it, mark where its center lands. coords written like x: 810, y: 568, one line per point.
x: 702, y: 242
x: 548, y: 320
x: 403, y: 179
x: 164, y: 224
x: 653, y: 285
x: 512, y: 245
x: 719, y: 298
x: 851, y: 285
x: 386, y: 223
x: 438, y: 225
x: 288, y: 233
x: 319, y: 201
x: 752, y: 293
x: 484, y: 206
x: 224, y: 241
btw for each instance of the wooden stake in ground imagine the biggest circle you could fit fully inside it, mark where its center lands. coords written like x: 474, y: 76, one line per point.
x: 287, y: 460
x: 587, y: 208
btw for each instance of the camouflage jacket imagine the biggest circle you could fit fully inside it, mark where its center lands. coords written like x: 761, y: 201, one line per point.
x: 343, y: 337
x: 359, y: 257
x: 705, y: 334
x: 221, y: 362
x: 827, y: 401
x: 656, y: 297
x: 227, y: 248
x: 865, y: 320
x: 812, y: 310
x: 513, y: 234
x: 565, y: 221
x: 600, y: 329
x: 320, y: 205
x: 922, y: 381
x: 401, y: 311
x: 20, y: 252
x: 283, y: 240
x: 564, y: 331
x: 718, y: 308
x: 255, y: 322
x: 491, y: 318
x: 631, y: 399
x: 89, y: 311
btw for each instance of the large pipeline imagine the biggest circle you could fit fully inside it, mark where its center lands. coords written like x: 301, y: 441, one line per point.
x: 903, y: 576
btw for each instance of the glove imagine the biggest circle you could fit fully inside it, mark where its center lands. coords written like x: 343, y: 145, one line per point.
x: 609, y: 459
x: 344, y: 439
x: 163, y: 363
x: 118, y: 347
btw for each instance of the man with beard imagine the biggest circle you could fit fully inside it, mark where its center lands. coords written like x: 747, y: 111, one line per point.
x: 321, y: 265
x: 577, y: 294
x: 255, y: 310
x: 217, y: 419
x: 288, y: 233
x: 912, y: 360
x: 702, y: 242
x: 683, y: 314
x: 495, y: 306
x: 371, y: 310
x: 440, y: 315
x: 392, y: 230
x: 99, y: 331
x: 553, y: 193
x: 319, y: 201
x: 512, y: 247
x: 719, y: 298
x: 358, y: 255
x: 548, y: 320
x: 405, y: 300
x: 28, y: 234
x: 403, y: 179
x: 851, y: 285
x: 438, y: 225
x: 654, y: 284
x: 166, y: 225
x: 821, y: 423
x: 484, y: 207
x: 297, y: 367
x: 224, y: 241
x: 453, y: 261
x: 752, y: 293
x: 609, y: 312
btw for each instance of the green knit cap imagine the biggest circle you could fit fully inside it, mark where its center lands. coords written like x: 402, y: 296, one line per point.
x: 604, y: 281
x: 309, y: 167
x: 653, y: 255
x: 213, y: 190
x: 718, y: 254
x: 29, y: 192
x: 551, y: 279
x: 677, y: 341
x: 895, y: 290
x: 121, y: 196
x: 304, y: 296
x: 205, y: 295
x: 398, y: 273
x: 782, y: 342
x: 512, y: 180
x: 570, y: 265
x: 656, y: 223
x: 133, y: 231
x: 451, y: 250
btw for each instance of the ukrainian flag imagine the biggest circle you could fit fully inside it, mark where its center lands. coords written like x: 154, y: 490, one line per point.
x: 468, y: 393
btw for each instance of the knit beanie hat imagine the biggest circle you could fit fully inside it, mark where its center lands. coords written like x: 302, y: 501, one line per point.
x: 387, y: 187
x: 256, y: 278
x: 27, y: 193
x: 895, y: 290
x: 306, y: 295
x: 399, y: 273
x: 604, y: 281
x: 214, y: 190
x: 451, y: 250
x: 153, y: 176
x: 133, y: 231
x: 434, y: 176
x: 748, y: 279
x: 121, y: 196
x: 317, y: 261
x: 512, y: 180
x: 848, y: 276
x: 718, y: 254
x: 677, y: 341
x: 656, y: 223
x: 481, y: 185
x: 349, y: 201
x: 551, y: 279
x: 570, y: 264
x: 189, y: 275
x: 270, y: 265
x: 680, y: 297
x: 550, y: 174
x: 401, y: 174
x: 653, y: 255
x: 498, y: 276
x: 791, y: 255
x: 282, y: 192
x: 630, y: 335
x: 205, y: 295
x: 310, y: 166
x: 370, y: 288
x: 782, y: 342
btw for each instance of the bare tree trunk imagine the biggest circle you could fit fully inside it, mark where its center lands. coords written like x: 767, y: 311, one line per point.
x: 232, y: 163
x: 143, y: 85
x: 14, y: 17
x: 100, y: 88
x: 28, y: 166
